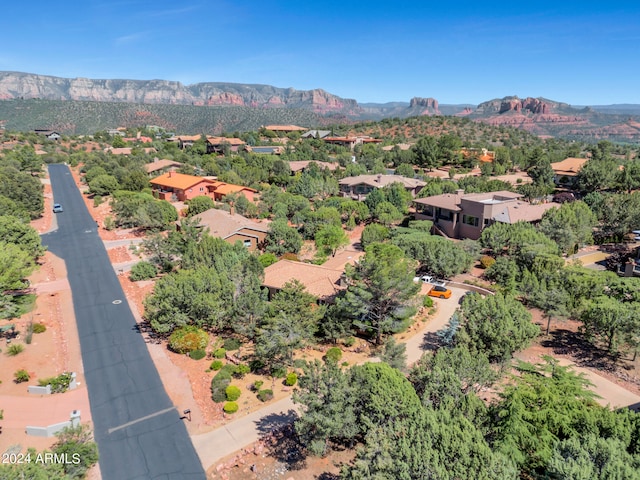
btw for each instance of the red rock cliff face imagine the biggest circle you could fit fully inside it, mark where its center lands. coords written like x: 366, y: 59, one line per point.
x: 430, y: 105
x: 532, y: 105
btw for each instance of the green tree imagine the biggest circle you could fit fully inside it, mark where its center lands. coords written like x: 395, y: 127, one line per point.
x: 395, y: 354
x: 329, y: 238
x: 427, y: 152
x: 606, y: 319
x: 381, y: 290
x: 569, y: 226
x: 374, y: 233
x: 199, y: 204
x: 497, y: 325
x: 103, y: 185
x: 282, y: 238
x: 21, y: 234
x: 24, y: 189
x: 15, y: 266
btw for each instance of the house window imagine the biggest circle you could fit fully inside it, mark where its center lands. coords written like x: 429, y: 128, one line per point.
x: 201, y: 189
x: 469, y: 220
x: 247, y: 243
x: 443, y: 214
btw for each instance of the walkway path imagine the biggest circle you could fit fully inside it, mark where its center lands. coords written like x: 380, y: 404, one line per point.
x: 217, y: 444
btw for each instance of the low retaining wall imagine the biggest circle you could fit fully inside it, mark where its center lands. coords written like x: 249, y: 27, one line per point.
x: 46, y: 390
x: 52, y: 430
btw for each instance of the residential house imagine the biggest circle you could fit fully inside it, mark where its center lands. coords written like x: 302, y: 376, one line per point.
x: 351, y: 142
x: 218, y: 144
x: 316, y: 134
x: 460, y: 215
x: 321, y: 282
x: 301, y: 165
x: 233, y: 227
x: 480, y: 154
x: 284, y: 129
x: 565, y: 173
x: 360, y: 186
x: 173, y: 186
x: 158, y: 167
x: 50, y: 134
x: 185, y: 141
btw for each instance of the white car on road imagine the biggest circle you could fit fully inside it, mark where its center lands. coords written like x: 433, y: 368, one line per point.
x: 429, y: 279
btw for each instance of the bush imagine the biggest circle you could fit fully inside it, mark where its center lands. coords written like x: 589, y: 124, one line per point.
x: 256, y: 385
x: 220, y: 382
x: 256, y: 365
x: 109, y: 223
x: 349, y: 341
x: 187, y: 339
x: 21, y: 376
x: 231, y: 344
x: 265, y: 395
x: 267, y: 259
x: 241, y: 370
x: 58, y: 384
x: 230, y: 407
x: 278, y: 372
x: 14, y: 349
x: 334, y: 354
x: 427, y: 301
x: 97, y: 200
x: 198, y: 354
x: 220, y: 353
x: 39, y: 328
x: 486, y: 261
x: 291, y: 379
x: 143, y: 271
x: 233, y: 393
x: 216, y: 365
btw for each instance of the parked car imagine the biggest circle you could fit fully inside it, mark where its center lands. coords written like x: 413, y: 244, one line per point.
x: 57, y: 208
x: 440, y: 292
x: 429, y: 279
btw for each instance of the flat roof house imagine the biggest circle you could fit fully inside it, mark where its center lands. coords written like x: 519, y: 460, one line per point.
x: 233, y: 227
x: 460, y: 215
x: 360, y: 186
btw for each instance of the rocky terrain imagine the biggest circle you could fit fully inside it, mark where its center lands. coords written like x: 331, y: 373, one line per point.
x: 540, y: 116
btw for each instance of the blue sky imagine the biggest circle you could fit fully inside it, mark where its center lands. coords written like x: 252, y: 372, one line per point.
x: 582, y: 53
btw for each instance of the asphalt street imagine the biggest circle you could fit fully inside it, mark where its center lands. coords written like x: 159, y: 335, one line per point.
x: 139, y: 432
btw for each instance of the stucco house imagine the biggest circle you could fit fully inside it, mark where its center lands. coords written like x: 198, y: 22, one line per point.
x: 173, y: 186
x: 360, y: 186
x: 566, y: 172
x: 321, y: 282
x: 218, y: 144
x: 460, y: 215
x: 160, y: 166
x: 233, y: 227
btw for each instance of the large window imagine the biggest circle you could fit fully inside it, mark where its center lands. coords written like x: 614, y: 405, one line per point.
x: 469, y: 220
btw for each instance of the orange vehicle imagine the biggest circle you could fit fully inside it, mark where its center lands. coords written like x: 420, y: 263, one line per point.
x: 440, y: 292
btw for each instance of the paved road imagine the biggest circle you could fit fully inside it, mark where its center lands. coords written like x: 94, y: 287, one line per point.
x: 138, y: 430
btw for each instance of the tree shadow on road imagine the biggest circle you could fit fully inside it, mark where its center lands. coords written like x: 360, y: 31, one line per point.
x: 430, y: 341
x: 281, y: 440
x: 583, y: 353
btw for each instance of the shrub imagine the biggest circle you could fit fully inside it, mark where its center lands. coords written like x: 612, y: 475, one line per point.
x: 291, y: 379
x: 14, y: 349
x: 220, y: 382
x: 39, y: 328
x: 334, y: 354
x: 486, y: 261
x: 267, y: 259
x: 231, y: 344
x: 216, y: 365
x: 29, y: 335
x: 427, y: 301
x: 230, y: 407
x: 256, y: 365
x: 220, y: 353
x: 256, y: 385
x: 278, y: 372
x: 233, y: 393
x: 109, y: 223
x: 198, y: 354
x: 265, y: 395
x: 58, y: 384
x: 21, y: 376
x: 187, y: 339
x: 97, y: 200
x: 290, y: 256
x: 241, y: 370
x: 143, y: 271
x: 349, y: 341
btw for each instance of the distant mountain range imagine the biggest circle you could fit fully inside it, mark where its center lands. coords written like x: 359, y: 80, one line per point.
x: 543, y: 117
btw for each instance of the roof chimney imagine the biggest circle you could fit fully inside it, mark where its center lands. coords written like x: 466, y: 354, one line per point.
x: 379, y: 178
x: 170, y: 173
x: 460, y: 192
